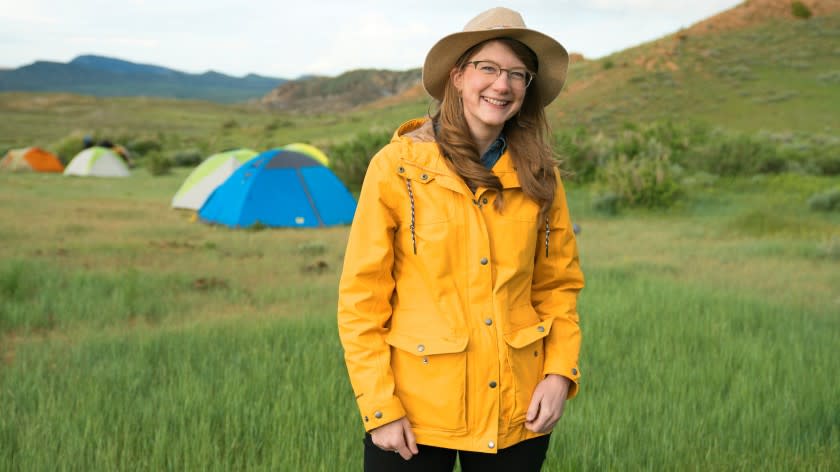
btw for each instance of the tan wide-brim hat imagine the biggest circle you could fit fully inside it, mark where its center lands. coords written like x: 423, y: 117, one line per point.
x: 498, y: 23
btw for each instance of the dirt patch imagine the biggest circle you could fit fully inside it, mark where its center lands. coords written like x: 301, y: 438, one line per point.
x: 316, y: 267
x: 754, y: 12
x: 209, y: 283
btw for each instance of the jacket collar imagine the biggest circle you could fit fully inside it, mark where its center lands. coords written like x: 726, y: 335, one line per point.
x: 425, y: 156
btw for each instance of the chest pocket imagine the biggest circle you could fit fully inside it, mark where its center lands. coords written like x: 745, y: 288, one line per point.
x: 428, y: 203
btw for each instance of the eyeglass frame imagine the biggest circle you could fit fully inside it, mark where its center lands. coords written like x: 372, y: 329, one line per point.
x: 528, y: 74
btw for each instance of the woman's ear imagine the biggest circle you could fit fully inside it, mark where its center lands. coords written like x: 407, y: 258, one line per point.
x: 456, y: 76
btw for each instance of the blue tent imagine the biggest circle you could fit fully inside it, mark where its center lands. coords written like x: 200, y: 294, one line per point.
x: 280, y: 188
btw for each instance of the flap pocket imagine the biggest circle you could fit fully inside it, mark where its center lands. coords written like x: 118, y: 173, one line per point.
x: 529, y: 334
x: 424, y: 345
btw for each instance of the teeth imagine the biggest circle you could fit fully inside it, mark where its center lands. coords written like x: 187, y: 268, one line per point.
x: 496, y: 102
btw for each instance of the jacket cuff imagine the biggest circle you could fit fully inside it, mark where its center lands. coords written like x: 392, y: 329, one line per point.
x: 572, y: 373
x: 375, y: 415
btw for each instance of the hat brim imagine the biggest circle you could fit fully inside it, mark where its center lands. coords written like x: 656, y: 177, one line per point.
x: 552, y: 56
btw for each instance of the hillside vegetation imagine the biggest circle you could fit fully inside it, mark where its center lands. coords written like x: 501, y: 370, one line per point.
x: 775, y: 73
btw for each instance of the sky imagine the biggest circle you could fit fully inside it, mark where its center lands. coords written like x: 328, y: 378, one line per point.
x: 287, y: 39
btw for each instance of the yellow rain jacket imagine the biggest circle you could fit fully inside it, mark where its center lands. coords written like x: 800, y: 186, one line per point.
x: 450, y: 312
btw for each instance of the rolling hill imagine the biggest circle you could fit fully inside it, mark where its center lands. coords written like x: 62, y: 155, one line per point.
x: 755, y: 66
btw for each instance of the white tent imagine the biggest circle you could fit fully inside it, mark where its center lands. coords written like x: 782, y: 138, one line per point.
x: 207, y: 176
x: 97, y: 161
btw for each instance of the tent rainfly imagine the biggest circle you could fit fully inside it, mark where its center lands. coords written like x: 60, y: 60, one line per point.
x: 97, y: 161
x: 211, y: 173
x: 280, y: 188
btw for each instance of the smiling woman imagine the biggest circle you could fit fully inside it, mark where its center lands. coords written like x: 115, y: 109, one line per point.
x: 458, y: 299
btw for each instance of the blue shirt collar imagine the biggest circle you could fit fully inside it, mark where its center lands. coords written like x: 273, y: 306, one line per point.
x: 493, y: 153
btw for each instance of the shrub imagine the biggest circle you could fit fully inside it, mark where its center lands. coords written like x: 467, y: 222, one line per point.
x: 800, y: 10
x: 828, y: 165
x: 581, y: 154
x: 825, y: 201
x: 230, y: 124
x: 608, y: 203
x: 608, y: 64
x: 350, y: 160
x: 730, y: 155
x: 186, y: 158
x: 67, y: 147
x: 650, y: 180
x: 144, y: 145
x: 157, y: 164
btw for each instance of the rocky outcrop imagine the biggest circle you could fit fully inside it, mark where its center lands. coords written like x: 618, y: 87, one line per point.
x: 348, y: 90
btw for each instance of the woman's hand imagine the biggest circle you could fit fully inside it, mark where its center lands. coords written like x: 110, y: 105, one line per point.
x: 395, y: 436
x: 547, y: 403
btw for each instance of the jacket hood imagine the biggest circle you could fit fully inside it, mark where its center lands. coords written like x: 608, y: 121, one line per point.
x: 419, y: 130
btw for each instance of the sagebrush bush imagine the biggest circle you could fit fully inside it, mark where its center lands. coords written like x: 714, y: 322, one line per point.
x: 825, y: 201
x: 649, y: 180
x: 800, y: 10
x: 143, y: 145
x: 349, y: 160
x: 186, y: 157
x: 157, y: 164
x: 608, y: 203
x: 67, y: 147
x: 730, y: 155
x: 581, y: 154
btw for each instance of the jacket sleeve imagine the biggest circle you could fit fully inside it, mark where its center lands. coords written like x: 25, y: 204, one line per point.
x: 556, y: 283
x: 364, y: 298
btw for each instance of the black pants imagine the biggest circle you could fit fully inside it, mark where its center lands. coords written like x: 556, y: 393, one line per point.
x: 527, y: 456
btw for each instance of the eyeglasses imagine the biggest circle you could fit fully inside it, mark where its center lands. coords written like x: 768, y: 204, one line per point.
x: 519, y: 77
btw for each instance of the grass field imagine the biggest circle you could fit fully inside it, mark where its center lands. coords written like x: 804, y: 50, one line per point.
x: 133, y: 338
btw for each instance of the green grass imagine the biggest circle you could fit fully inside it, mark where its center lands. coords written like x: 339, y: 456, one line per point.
x: 43, y: 119
x: 134, y: 338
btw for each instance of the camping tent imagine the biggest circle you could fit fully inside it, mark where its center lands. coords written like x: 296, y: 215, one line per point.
x: 310, y: 151
x: 280, y: 188
x: 207, y: 176
x: 97, y: 161
x: 31, y: 159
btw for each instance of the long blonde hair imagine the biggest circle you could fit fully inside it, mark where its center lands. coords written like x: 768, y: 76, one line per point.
x: 527, y: 136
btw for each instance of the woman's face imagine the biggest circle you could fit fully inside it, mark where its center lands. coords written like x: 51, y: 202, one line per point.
x: 489, y: 99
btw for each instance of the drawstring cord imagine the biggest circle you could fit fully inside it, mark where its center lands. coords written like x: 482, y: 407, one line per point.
x: 411, y: 199
x: 547, y: 232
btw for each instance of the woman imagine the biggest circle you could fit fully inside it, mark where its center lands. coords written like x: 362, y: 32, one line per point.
x: 457, y: 303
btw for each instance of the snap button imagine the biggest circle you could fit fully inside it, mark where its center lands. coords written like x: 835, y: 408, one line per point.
x: 378, y: 414
x: 421, y: 348
x: 483, y: 261
x: 425, y: 176
x: 488, y: 322
x: 484, y: 201
x: 493, y: 384
x: 574, y: 371
x: 401, y: 169
x: 491, y: 444
x: 541, y: 329
x: 425, y: 359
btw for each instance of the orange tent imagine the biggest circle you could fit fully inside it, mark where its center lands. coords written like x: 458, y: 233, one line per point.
x: 31, y: 159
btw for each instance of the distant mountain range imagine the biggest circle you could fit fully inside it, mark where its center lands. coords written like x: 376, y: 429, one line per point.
x: 106, y: 76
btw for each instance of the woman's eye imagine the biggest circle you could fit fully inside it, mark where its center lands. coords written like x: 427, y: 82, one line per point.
x: 488, y: 69
x: 517, y: 75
